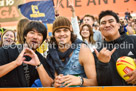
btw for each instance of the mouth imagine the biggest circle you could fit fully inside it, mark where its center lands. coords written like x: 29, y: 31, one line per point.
x: 62, y: 38
x: 108, y: 29
x: 34, y: 44
x: 8, y: 40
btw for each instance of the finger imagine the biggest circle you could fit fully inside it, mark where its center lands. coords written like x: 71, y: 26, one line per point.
x: 131, y: 79
x: 57, y: 2
x: 22, y: 53
x: 107, y: 52
x: 60, y: 2
x: 28, y: 54
x: 113, y: 51
x: 69, y: 2
x: 129, y: 74
x: 27, y: 62
x: 57, y: 81
x: 134, y: 82
x: 104, y: 49
x: 57, y: 85
x: 30, y: 51
x: 66, y: 82
x: 68, y: 85
x: 24, y: 59
x: 61, y: 75
x: 96, y: 52
x: 72, y: 2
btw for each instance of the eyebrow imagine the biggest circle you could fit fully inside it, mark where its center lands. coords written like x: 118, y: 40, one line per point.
x: 111, y: 19
x: 107, y: 20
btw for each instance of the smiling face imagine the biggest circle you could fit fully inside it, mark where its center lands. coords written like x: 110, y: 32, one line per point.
x: 109, y: 28
x: 34, y: 39
x: 85, y: 32
x: 62, y: 36
x: 8, y: 38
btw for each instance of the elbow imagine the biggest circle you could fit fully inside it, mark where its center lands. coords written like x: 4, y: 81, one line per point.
x: 49, y: 83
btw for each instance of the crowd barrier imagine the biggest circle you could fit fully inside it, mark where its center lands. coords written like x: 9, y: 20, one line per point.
x: 118, y: 88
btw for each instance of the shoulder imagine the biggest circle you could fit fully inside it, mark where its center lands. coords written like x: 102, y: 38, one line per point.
x: 85, y: 55
x: 131, y: 37
x: 84, y: 51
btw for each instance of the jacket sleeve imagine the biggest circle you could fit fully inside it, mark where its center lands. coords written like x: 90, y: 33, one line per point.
x: 104, y: 77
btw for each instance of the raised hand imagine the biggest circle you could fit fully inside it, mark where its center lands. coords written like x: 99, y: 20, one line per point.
x: 104, y: 55
x: 71, y: 5
x: 56, y: 7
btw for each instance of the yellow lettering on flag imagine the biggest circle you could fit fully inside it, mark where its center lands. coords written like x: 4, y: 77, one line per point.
x: 36, y: 12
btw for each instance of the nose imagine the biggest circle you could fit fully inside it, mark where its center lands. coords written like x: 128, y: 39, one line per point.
x: 107, y: 24
x: 62, y: 33
x: 35, y: 36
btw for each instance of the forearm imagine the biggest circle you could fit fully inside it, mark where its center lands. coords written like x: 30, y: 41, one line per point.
x: 73, y: 13
x: 46, y: 80
x: 90, y: 82
x: 4, y: 69
x: 75, y: 27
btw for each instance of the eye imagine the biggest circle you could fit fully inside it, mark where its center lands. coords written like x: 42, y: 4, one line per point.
x: 66, y: 30
x: 32, y: 32
x: 6, y: 34
x: 39, y: 34
x: 58, y: 31
x: 110, y: 21
x: 103, y: 23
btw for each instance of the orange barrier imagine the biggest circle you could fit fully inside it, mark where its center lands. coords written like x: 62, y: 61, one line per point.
x: 129, y: 88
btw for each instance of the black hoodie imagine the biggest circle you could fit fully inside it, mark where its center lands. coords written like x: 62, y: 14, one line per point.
x: 107, y: 74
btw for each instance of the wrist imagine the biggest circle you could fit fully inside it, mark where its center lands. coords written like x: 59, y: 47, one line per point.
x: 38, y: 65
x: 81, y: 81
x: 73, y: 10
x: 16, y: 63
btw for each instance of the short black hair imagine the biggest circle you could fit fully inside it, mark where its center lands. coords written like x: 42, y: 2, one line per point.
x: 108, y: 12
x: 35, y: 25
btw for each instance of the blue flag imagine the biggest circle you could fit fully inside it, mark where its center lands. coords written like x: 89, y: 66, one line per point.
x: 39, y: 10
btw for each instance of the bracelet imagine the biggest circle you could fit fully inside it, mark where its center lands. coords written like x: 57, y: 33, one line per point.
x: 81, y: 81
x: 38, y: 65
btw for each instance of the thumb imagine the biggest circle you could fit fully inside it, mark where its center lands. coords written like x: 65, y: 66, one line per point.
x: 128, y: 74
x: 96, y: 52
x: 27, y: 62
x: 61, y: 75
